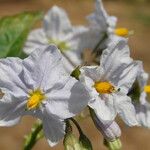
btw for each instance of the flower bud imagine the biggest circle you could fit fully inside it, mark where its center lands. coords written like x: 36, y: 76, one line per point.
x: 110, y: 131
x: 76, y: 73
x: 71, y: 142
x: 113, y: 145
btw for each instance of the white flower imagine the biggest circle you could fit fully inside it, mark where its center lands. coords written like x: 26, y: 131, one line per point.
x: 103, y: 27
x: 39, y: 86
x: 101, y: 20
x: 142, y: 106
x: 108, y: 84
x: 142, y: 78
x: 58, y: 30
x: 143, y: 114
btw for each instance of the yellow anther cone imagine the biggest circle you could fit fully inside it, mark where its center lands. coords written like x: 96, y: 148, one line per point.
x: 36, y: 97
x: 147, y: 89
x: 104, y: 87
x: 122, y: 32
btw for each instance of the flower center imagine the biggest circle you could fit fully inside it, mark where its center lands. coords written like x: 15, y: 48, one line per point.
x: 35, y: 99
x: 122, y: 32
x: 104, y: 87
x: 62, y: 45
x: 147, y: 88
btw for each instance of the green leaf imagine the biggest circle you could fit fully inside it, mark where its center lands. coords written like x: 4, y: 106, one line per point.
x: 14, y: 31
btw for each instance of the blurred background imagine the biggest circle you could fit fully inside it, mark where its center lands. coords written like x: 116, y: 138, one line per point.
x: 133, y: 14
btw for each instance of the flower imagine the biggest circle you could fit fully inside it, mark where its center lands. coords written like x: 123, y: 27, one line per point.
x: 58, y: 30
x: 142, y: 79
x: 101, y: 20
x: 39, y: 86
x: 138, y: 94
x: 108, y: 84
x: 102, y: 28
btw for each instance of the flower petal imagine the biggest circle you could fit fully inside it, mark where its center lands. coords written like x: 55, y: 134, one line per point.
x: 127, y: 77
x: 104, y: 108
x: 142, y: 77
x: 69, y: 67
x: 115, y: 56
x: 10, y: 68
x: 125, y: 109
x: 57, y: 23
x: 101, y: 19
x: 54, y: 129
x: 43, y: 68
x: 35, y: 39
x: 77, y: 43
x: 68, y: 100
x: 110, y: 131
x: 143, y: 114
x: 92, y: 33
x: 119, y: 68
x: 93, y: 72
x: 11, y: 110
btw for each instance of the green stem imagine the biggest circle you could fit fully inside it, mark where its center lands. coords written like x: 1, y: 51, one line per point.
x: 77, y: 125
x: 34, y: 137
x: 92, y: 113
x: 68, y: 127
x: 85, y: 143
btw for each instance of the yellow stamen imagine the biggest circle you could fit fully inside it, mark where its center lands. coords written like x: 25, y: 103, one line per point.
x: 122, y: 32
x: 36, y: 97
x: 104, y: 87
x: 147, y: 88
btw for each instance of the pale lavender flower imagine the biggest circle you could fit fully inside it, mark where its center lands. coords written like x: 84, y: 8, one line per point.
x: 40, y: 86
x: 109, y: 83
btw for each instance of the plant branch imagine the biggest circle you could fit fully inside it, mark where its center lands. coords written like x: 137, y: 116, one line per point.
x: 33, y: 137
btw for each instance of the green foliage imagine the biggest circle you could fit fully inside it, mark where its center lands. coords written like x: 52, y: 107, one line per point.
x: 14, y: 31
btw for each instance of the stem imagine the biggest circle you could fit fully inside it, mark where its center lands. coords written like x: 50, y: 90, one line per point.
x: 83, y: 139
x: 34, y: 138
x: 91, y: 113
x: 68, y: 127
x: 77, y: 125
